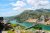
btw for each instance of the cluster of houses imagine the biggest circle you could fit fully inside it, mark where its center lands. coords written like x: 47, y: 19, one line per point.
x: 43, y: 20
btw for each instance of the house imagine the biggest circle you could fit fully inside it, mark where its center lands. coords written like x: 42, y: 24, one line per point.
x: 41, y: 20
x: 44, y: 20
x: 31, y: 20
x: 47, y: 22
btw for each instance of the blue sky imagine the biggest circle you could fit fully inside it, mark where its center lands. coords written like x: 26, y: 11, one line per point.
x: 15, y: 7
x: 6, y: 8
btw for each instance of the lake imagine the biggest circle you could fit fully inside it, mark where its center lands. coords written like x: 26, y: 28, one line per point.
x: 27, y: 24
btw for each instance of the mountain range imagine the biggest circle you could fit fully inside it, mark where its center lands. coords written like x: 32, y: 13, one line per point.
x: 29, y: 14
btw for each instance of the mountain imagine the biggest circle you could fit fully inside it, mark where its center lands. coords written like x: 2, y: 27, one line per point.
x: 26, y: 14
x: 32, y: 14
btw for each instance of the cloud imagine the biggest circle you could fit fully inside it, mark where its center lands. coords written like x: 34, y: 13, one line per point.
x: 39, y: 3
x: 19, y: 5
x: 35, y: 4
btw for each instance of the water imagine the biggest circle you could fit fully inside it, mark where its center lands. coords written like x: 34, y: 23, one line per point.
x: 46, y: 27
x: 13, y: 22
x: 27, y: 24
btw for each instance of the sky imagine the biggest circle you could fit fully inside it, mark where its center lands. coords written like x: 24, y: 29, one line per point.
x: 15, y: 7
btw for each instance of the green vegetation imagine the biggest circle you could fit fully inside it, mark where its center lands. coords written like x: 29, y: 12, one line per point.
x: 38, y: 27
x: 29, y: 14
x: 10, y: 31
x: 13, y: 25
x: 32, y: 14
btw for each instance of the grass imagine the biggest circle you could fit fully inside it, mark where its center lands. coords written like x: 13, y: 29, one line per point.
x: 11, y: 31
x: 13, y: 25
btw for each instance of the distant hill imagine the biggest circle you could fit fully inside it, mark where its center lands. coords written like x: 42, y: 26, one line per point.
x: 32, y: 14
x: 29, y: 14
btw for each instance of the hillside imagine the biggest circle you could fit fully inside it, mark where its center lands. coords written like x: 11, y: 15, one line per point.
x: 29, y: 14
x: 32, y: 14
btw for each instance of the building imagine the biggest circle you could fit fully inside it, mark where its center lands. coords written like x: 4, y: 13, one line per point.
x: 31, y: 20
